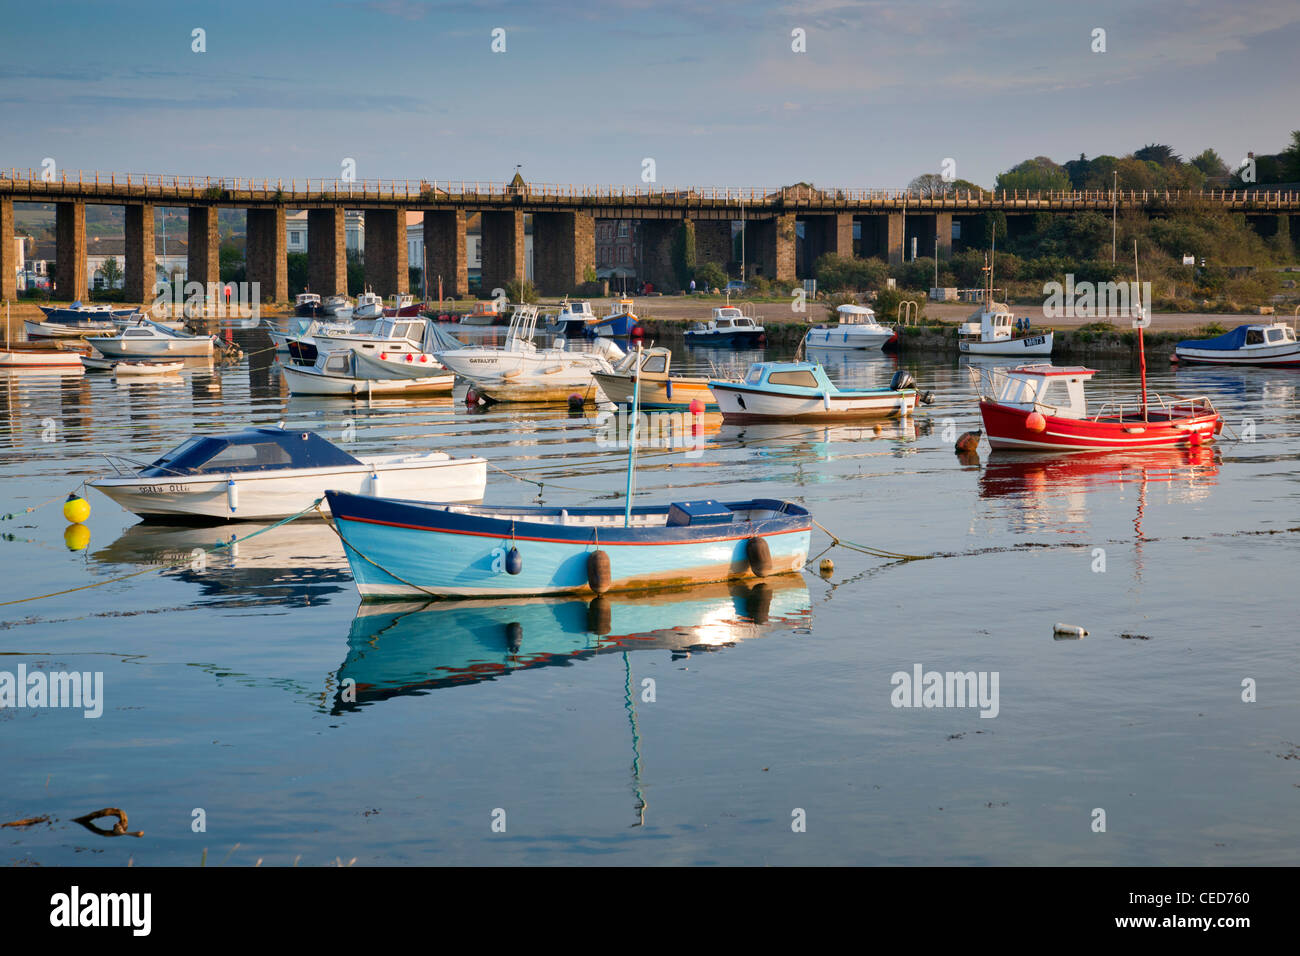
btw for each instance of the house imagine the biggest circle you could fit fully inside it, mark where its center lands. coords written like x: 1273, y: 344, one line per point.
x: 169, y: 260
x: 354, y: 231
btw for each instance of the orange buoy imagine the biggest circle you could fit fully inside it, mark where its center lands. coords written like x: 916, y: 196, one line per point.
x: 1036, y: 422
x: 969, y: 441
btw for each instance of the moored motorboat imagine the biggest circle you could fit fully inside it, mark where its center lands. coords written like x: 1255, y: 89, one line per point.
x: 404, y: 307
x: 574, y: 320
x: 619, y: 322
x: 857, y: 329
x: 659, y: 389
x: 1256, y: 344
x: 729, y: 326
x: 486, y: 312
x: 411, y: 549
x: 263, y: 473
x: 307, y: 304
x: 802, y: 392
x: 1043, y: 407
x: 993, y: 330
x: 519, y: 371
x: 40, y: 355
x: 368, y: 306
x: 340, y: 373
x: 141, y: 369
x: 337, y: 306
x: 149, y: 338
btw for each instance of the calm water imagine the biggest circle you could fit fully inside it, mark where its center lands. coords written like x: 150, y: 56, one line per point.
x: 222, y: 683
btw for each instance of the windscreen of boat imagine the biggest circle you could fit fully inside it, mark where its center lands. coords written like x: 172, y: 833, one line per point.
x: 254, y: 450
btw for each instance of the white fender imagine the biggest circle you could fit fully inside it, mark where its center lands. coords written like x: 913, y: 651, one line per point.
x: 374, y: 484
x: 232, y: 495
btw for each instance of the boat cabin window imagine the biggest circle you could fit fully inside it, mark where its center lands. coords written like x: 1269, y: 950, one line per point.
x: 137, y: 333
x: 238, y: 457
x: 336, y: 363
x: 1254, y: 336
x: 755, y: 375
x: 176, y: 452
x: 802, y: 379
x: 403, y: 331
x: 655, y: 363
x: 1275, y: 335
x: 1056, y: 394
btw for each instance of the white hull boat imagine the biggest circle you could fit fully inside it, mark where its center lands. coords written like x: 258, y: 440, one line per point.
x: 20, y: 355
x: 1023, y: 345
x: 150, y: 339
x: 1272, y: 344
x: 268, y: 473
x: 857, y: 329
x: 67, y: 330
x: 337, y: 373
x: 802, y: 392
x: 993, y: 330
x: 144, y: 369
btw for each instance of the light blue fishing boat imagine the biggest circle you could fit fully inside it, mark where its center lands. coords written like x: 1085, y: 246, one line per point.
x: 411, y: 549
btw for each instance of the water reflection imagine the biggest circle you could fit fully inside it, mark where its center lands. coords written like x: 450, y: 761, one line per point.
x: 396, y: 650
x: 293, y: 565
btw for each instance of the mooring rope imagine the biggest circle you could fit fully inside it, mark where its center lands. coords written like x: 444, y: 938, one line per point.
x: 166, y: 567
x: 333, y: 525
x: 868, y: 549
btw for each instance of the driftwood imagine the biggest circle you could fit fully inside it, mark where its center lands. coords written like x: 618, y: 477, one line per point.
x: 30, y: 821
x: 119, y: 828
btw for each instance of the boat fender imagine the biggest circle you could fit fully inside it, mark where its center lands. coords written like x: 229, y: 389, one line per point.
x: 1194, y: 439
x: 759, y: 556
x: 902, y: 379
x: 1036, y: 422
x: 759, y: 604
x: 514, y: 636
x: 599, y: 616
x: 1066, y: 631
x: 598, y: 574
x: 926, y: 398
x: 826, y: 400
x: 827, y: 568
x: 232, y: 495
x: 514, y: 561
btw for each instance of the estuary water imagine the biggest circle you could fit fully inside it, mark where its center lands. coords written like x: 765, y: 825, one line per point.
x: 715, y: 725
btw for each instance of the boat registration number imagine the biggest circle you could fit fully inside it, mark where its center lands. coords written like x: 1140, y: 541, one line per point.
x: 1036, y: 340
x: 164, y: 489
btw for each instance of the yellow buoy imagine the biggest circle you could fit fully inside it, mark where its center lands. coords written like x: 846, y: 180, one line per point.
x: 827, y: 567
x: 76, y: 536
x: 76, y: 509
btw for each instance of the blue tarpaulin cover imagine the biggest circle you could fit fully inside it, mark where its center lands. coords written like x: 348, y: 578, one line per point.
x: 1227, y: 342
x: 262, y: 449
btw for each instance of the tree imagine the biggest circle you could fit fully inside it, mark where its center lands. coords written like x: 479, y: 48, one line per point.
x: 1211, y: 164
x: 298, y: 271
x: 928, y: 184
x: 521, y: 290
x: 1039, y: 173
x: 356, y: 272
x: 111, y: 272
x: 710, y: 275
x: 1289, y: 159
x: 1159, y: 154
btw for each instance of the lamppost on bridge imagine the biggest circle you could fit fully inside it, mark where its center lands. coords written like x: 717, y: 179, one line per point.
x: 1114, y: 208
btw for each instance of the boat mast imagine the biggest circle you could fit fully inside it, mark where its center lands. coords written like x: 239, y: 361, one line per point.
x: 1142, y: 351
x: 631, y: 444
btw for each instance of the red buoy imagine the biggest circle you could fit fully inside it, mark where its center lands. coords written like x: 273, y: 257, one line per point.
x: 471, y: 399
x: 1036, y: 422
x: 697, y: 407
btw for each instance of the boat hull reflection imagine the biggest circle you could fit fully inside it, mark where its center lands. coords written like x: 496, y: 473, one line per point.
x: 396, y: 650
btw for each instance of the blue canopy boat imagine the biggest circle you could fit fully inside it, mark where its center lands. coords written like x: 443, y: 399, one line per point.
x: 410, y: 548
x: 1260, y: 344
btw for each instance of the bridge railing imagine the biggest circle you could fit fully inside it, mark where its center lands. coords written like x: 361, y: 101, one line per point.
x: 422, y: 190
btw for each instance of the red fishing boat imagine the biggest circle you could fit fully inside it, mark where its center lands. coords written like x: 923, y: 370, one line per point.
x: 1043, y: 408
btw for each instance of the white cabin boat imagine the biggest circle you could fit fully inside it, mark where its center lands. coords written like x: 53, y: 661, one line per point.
x: 1259, y: 344
x: 266, y: 473
x: 346, y: 372
x: 339, y: 306
x: 148, y: 338
x: 520, y: 371
x: 857, y: 329
x: 369, y: 306
x: 729, y: 326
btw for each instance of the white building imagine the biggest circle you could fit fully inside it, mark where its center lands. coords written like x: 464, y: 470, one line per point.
x: 354, y: 229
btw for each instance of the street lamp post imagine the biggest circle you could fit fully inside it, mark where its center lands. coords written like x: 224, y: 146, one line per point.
x: 1114, y: 208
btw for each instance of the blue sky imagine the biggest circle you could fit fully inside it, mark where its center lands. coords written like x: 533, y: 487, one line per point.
x: 587, y: 89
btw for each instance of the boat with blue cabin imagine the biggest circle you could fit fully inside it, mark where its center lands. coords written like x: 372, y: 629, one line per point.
x: 857, y: 329
x: 1260, y: 344
x: 619, y: 322
x: 403, y: 549
x: 803, y: 392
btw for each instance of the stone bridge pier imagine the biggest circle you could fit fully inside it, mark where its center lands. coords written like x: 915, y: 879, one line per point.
x: 445, y: 250
x: 386, y: 271
x: 327, y: 259
x: 8, y: 251
x: 267, y: 253
x: 564, y: 248
x: 502, y: 249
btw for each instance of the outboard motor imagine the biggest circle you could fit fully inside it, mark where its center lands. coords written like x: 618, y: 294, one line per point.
x: 902, y: 379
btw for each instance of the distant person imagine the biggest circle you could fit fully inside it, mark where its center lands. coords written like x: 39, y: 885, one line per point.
x: 692, y: 287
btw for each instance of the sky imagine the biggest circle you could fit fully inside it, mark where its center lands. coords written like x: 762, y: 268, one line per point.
x: 587, y: 90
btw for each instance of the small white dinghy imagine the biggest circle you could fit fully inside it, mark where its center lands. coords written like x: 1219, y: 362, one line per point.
x: 338, y: 373
x: 143, y: 369
x: 267, y: 473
